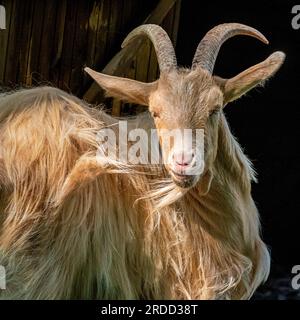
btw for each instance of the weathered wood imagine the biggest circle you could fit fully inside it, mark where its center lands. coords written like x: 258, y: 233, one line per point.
x: 13, y: 49
x: 25, y: 42
x: 67, y: 52
x: 36, y: 39
x: 80, y: 45
x: 102, y: 32
x: 50, y: 42
x: 152, y: 66
x: 25, y: 55
x: 58, y: 41
x: 47, y: 39
x: 4, y: 39
x: 124, y: 57
x: 121, y: 61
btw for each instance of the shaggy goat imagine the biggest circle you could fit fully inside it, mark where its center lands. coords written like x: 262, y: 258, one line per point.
x: 74, y: 228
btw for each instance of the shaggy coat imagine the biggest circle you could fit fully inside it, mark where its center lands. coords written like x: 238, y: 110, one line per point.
x: 76, y: 225
x: 72, y: 228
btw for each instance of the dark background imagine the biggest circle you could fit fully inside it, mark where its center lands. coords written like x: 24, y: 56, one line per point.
x: 266, y: 121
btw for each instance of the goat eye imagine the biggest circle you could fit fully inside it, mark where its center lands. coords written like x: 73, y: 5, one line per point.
x: 155, y: 114
x: 214, y: 111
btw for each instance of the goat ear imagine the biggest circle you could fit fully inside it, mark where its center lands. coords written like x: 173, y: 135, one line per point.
x: 256, y: 75
x: 122, y: 88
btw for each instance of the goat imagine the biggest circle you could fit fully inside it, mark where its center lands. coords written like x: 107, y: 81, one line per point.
x: 74, y: 228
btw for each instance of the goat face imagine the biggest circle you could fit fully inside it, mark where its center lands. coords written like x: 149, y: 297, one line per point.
x: 189, y: 98
x: 186, y: 102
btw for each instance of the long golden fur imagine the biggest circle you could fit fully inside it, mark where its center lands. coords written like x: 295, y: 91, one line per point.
x: 71, y: 228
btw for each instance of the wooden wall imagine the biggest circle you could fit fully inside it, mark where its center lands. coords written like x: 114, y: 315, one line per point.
x: 50, y: 41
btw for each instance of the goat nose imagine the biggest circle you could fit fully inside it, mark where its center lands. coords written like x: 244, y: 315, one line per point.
x: 183, y: 158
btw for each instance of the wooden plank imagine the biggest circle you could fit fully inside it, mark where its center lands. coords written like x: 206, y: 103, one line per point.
x: 127, y: 18
x: 115, y: 23
x: 130, y: 73
x: 123, y: 58
x: 98, y: 37
x: 53, y: 40
x: 152, y: 66
x: 67, y: 52
x: 59, y: 33
x: 142, y: 63
x: 114, y: 16
x: 102, y: 33
x: 4, y: 38
x: 93, y: 22
x: 129, y: 10
x: 108, y: 27
x: 14, y: 45
x: 116, y: 108
x: 79, y: 48
x: 36, y: 38
x: 139, y: 67
x: 93, y: 26
x: 47, y: 41
x: 143, y: 57
x: 25, y: 55
x: 23, y: 39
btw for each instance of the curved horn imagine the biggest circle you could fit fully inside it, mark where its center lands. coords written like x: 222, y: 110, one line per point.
x: 208, y: 49
x: 163, y: 46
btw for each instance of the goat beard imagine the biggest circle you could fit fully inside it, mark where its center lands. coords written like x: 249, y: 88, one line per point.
x: 165, y: 192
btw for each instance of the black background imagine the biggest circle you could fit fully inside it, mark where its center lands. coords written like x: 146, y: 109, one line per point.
x: 266, y: 120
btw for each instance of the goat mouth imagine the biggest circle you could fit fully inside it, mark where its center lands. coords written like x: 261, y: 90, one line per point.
x: 183, y: 180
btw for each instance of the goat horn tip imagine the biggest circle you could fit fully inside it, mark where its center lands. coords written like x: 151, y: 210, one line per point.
x: 278, y: 56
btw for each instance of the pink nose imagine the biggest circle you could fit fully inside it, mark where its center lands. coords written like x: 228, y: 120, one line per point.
x: 183, y: 159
